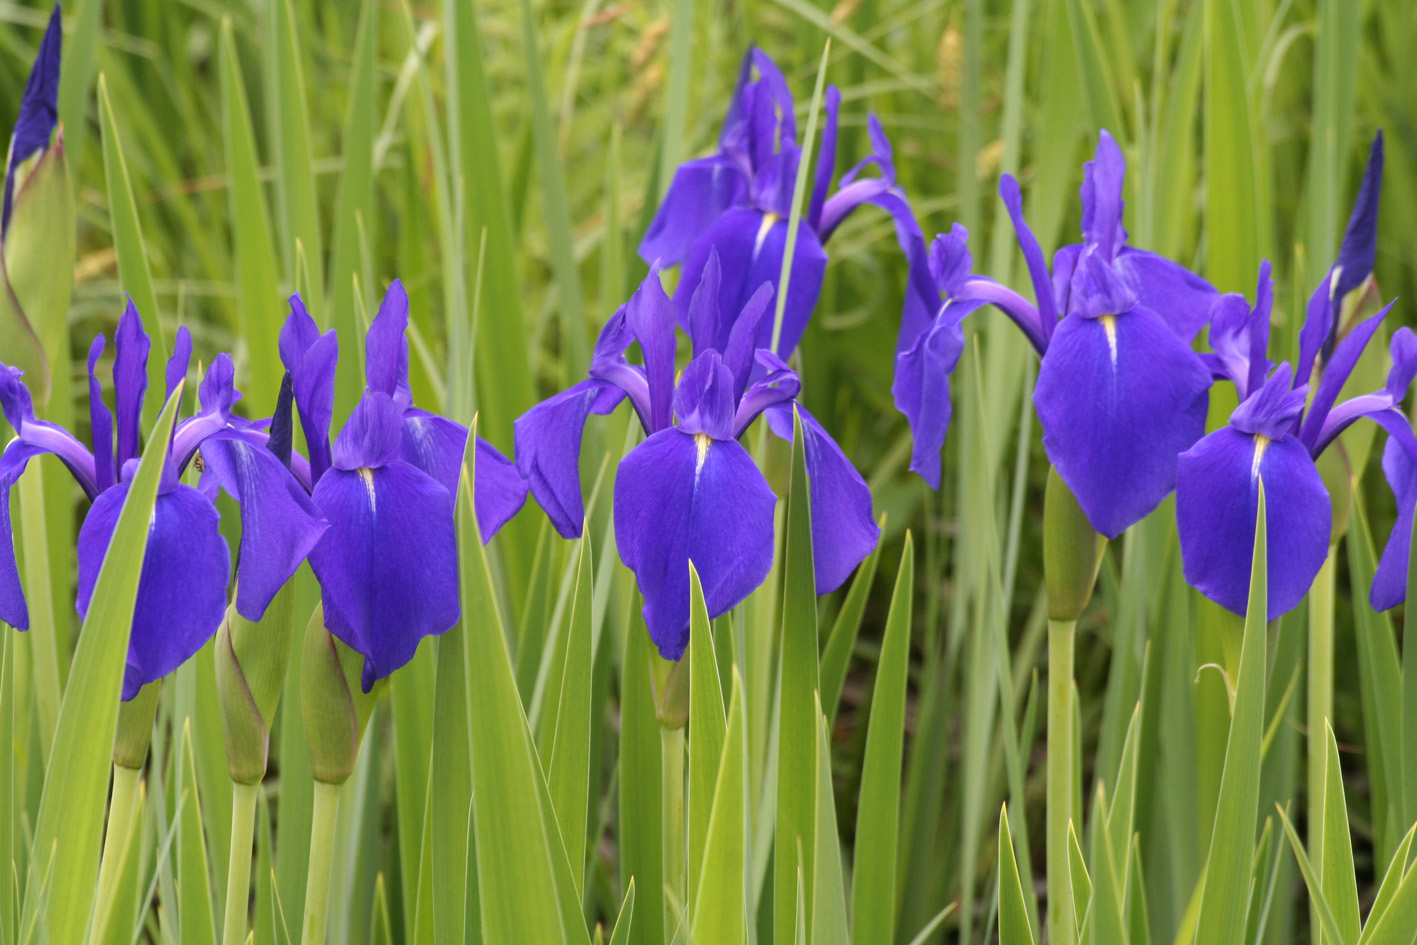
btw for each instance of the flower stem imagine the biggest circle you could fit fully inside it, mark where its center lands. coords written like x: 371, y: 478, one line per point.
x: 238, y: 874
x: 1320, y: 707
x: 1062, y: 928
x: 671, y: 741
x: 317, y: 881
x: 121, y: 808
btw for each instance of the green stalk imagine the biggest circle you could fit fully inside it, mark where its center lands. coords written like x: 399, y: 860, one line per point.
x: 1062, y: 928
x: 1320, y: 708
x: 322, y: 844
x: 238, y: 873
x: 115, y: 836
x: 671, y: 741
x: 35, y: 538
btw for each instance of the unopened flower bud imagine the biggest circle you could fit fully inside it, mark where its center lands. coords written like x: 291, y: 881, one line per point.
x: 1072, y: 551
x: 135, y: 727
x: 336, y: 709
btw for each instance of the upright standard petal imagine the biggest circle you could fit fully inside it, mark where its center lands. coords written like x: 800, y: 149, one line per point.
x: 704, y: 401
x: 1102, y: 180
x: 388, y: 563
x: 1118, y: 399
x: 702, y: 191
x: 182, y: 589
x: 1217, y: 498
x: 280, y: 523
x: 548, y: 449
x: 650, y: 316
x: 39, y: 108
x: 844, y: 530
x: 373, y: 434
x: 101, y: 423
x: 682, y: 498
x: 386, y: 348
x: 130, y: 380
x: 1360, y: 240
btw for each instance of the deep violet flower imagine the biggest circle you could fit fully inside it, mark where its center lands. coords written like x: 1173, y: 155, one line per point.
x: 691, y: 491
x: 1119, y: 393
x: 736, y: 203
x: 1272, y: 437
x: 182, y: 591
x: 388, y: 565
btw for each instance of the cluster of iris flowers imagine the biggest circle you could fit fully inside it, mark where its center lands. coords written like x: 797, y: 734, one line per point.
x: 1122, y: 395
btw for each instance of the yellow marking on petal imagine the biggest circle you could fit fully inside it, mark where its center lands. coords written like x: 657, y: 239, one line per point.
x: 702, y: 441
x: 1109, y: 325
x: 769, y: 221
x: 1261, y: 444
x: 366, y: 476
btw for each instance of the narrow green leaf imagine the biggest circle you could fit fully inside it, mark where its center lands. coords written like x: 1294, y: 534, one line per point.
x: 1233, y: 209
x: 1387, y: 890
x: 450, y: 791
x: 570, y: 753
x: 71, y: 811
x: 299, y: 216
x: 719, y: 913
x: 131, y: 249
x: 1227, y: 880
x: 1014, y: 926
x: 194, y: 899
x: 82, y: 45
x: 515, y: 879
x: 624, y: 921
x: 1337, y: 39
x: 641, y: 846
x: 257, y: 288
x: 873, y: 891
x: 1080, y: 878
x: 1400, y: 917
x: 1316, y: 893
x: 836, y: 656
x: 117, y: 926
x: 797, y: 713
x: 829, y: 899
x: 706, y: 725
x: 1337, y: 875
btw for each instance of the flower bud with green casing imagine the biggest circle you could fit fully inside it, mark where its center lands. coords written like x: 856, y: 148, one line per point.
x: 1072, y: 551
x: 336, y: 709
x: 671, y: 691
x: 38, y: 271
x: 250, y: 669
x: 135, y: 727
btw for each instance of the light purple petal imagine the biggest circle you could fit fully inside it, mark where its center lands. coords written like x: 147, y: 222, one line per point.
x: 499, y: 491
x: 775, y: 383
x: 844, y: 529
x: 701, y: 316
x: 13, y: 609
x: 739, y: 355
x: 181, y: 358
x: 1335, y: 375
x: 1032, y: 255
x: 182, y: 590
x: 1102, y: 180
x: 1217, y: 490
x: 101, y: 423
x: 42, y: 435
x: 681, y: 498
x: 922, y: 387
x: 386, y: 347
x: 435, y: 445
x: 388, y: 564
x: 703, y: 401
x: 650, y: 316
x: 373, y: 434
x: 1400, y: 467
x: 826, y: 157
x: 548, y: 449
x: 279, y: 521
x: 1115, y: 413
x: 1182, y: 298
x: 702, y: 191
x: 130, y: 380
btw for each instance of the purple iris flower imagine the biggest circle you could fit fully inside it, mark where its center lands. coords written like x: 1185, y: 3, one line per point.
x: 388, y: 565
x: 691, y: 491
x: 1120, y: 392
x: 182, y: 591
x: 736, y: 203
x: 39, y: 108
x: 1273, y: 437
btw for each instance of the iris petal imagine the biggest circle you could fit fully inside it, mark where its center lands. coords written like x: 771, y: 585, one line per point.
x: 702, y: 190
x: 1217, y: 496
x: 386, y: 347
x: 548, y: 449
x: 1118, y: 399
x: 388, y: 564
x: 1182, y: 298
x: 679, y: 498
x: 1390, y: 580
x: 182, y: 589
x: 435, y: 445
x: 844, y: 530
x: 373, y: 434
x: 101, y: 423
x: 13, y: 609
x: 130, y: 380
x: 922, y: 387
x: 39, y: 107
x: 279, y: 521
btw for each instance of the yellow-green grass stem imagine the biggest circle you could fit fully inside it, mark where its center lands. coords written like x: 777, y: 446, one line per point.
x: 322, y: 849
x: 671, y: 741
x: 238, y: 873
x: 1062, y: 927
x: 1320, y: 707
x: 34, y: 538
x: 122, y: 806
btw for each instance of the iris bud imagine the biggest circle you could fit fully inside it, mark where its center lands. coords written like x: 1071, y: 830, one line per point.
x: 250, y: 670
x: 671, y: 692
x: 39, y: 267
x: 336, y: 709
x: 1072, y: 551
x: 135, y: 727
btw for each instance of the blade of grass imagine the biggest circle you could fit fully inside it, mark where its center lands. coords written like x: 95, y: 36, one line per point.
x: 829, y: 925
x: 299, y: 210
x: 1014, y: 924
x: 720, y: 896
x: 706, y: 728
x: 836, y: 656
x: 569, y: 769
